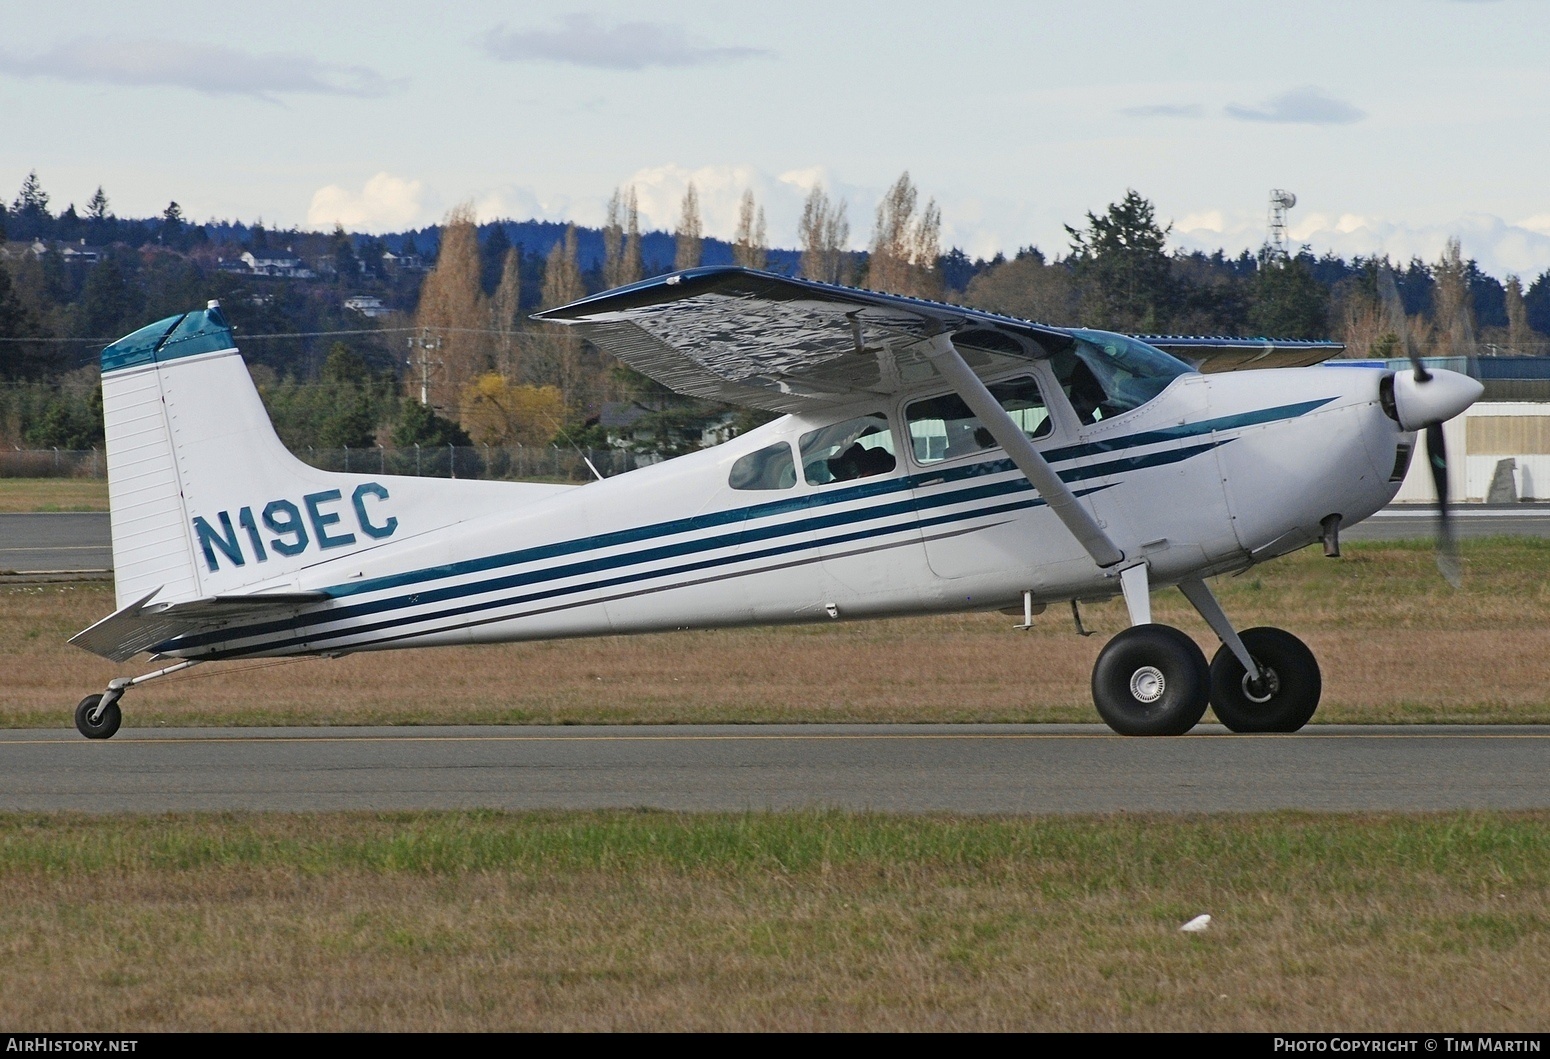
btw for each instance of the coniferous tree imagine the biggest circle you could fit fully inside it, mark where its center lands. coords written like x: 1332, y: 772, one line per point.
x: 1287, y: 301
x: 30, y: 218
x: 1519, y: 337
x: 1121, y: 264
x: 492, y: 255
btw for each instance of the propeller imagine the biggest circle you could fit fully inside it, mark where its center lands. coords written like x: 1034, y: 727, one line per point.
x: 1426, y: 400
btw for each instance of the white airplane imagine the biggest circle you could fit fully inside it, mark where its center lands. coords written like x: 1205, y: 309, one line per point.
x: 932, y: 459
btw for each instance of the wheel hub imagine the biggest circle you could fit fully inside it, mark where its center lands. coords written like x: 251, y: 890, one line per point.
x: 1147, y: 684
x: 1263, y: 689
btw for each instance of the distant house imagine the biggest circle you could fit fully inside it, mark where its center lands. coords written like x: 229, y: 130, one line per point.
x: 73, y: 253
x: 366, y: 305
x: 404, y: 262
x: 281, y: 263
x: 80, y: 253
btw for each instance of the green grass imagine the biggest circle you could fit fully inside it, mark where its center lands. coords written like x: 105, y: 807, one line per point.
x: 21, y: 495
x: 812, y: 920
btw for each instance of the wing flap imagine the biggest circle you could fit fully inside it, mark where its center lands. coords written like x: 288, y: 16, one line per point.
x: 143, y: 624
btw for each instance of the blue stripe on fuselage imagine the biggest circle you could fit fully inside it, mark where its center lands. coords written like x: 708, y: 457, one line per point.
x: 900, y: 510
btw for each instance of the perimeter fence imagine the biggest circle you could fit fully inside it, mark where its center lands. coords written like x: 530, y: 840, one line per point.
x: 549, y: 463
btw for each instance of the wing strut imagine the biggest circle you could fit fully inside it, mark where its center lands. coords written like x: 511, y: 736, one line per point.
x: 1015, y: 444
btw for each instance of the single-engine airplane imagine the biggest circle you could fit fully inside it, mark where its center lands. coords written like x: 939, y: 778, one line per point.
x: 931, y: 458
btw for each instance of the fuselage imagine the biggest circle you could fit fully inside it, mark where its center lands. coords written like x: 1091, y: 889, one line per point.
x: 1212, y: 475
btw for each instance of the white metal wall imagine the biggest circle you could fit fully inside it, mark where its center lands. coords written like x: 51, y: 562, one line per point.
x: 1469, y: 477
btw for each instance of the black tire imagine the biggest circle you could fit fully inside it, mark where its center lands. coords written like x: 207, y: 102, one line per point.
x: 105, y: 726
x: 1151, y: 680
x: 1290, y: 696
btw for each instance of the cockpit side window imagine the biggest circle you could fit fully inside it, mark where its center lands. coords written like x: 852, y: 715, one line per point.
x: 768, y: 468
x: 943, y: 428
x: 855, y: 448
x: 1105, y: 375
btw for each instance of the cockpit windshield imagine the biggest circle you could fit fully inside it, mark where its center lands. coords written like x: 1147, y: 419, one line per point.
x: 1106, y: 375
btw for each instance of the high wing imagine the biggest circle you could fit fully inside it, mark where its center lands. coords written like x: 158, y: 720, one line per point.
x: 143, y: 624
x: 760, y: 340
x: 1235, y: 354
x: 789, y: 345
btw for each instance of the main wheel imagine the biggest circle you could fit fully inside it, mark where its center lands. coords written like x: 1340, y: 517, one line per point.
x: 1283, y: 701
x: 104, y: 726
x: 1151, y: 680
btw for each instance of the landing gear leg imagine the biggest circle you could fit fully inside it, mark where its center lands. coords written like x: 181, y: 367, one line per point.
x: 1264, y: 680
x: 1150, y: 679
x: 99, y: 716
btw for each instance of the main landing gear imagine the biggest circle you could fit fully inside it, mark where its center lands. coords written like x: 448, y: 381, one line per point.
x: 98, y: 716
x: 1153, y: 679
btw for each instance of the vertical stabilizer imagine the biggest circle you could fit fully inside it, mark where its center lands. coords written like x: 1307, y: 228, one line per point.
x: 151, y: 547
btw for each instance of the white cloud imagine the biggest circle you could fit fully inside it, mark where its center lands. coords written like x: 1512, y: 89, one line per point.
x: 213, y: 69
x: 1499, y: 246
x: 1307, y: 105
x: 385, y: 204
x: 582, y: 41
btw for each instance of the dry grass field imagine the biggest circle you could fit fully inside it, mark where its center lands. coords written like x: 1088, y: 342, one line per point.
x: 823, y: 921
x: 53, y: 494
x: 1396, y: 645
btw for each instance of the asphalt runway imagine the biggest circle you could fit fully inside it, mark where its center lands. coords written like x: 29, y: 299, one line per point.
x: 1417, y: 522
x: 896, y: 768
x: 55, y: 542
x: 81, y: 542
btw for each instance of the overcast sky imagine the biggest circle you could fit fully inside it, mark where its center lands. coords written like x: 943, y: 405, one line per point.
x: 1397, y: 123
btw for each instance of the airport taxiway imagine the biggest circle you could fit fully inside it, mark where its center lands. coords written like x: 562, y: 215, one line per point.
x: 899, y: 768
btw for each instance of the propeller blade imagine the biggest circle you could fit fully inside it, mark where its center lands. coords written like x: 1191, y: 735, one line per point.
x: 1398, y: 322
x: 1447, y: 544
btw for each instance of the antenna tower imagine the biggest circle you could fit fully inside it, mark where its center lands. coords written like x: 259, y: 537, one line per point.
x: 1279, y: 244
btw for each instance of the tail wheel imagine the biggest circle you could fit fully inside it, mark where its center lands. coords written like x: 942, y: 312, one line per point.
x: 1283, y: 700
x: 105, y: 723
x: 1151, y: 680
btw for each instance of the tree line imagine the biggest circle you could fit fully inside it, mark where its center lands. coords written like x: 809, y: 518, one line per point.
x: 456, y: 360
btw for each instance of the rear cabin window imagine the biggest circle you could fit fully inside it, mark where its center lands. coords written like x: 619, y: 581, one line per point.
x: 769, y: 468
x: 856, y: 448
x: 943, y: 428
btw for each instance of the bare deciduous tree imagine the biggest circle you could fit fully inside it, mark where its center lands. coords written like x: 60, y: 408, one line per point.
x: 557, y: 356
x: 824, y: 233
x: 634, y: 268
x: 750, y: 247
x: 613, y: 241
x: 905, y: 248
x: 1027, y: 287
x: 689, y: 236
x: 1454, y: 316
x: 453, y: 309
x: 506, y: 315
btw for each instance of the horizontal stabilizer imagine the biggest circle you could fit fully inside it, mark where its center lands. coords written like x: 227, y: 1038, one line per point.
x: 143, y: 624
